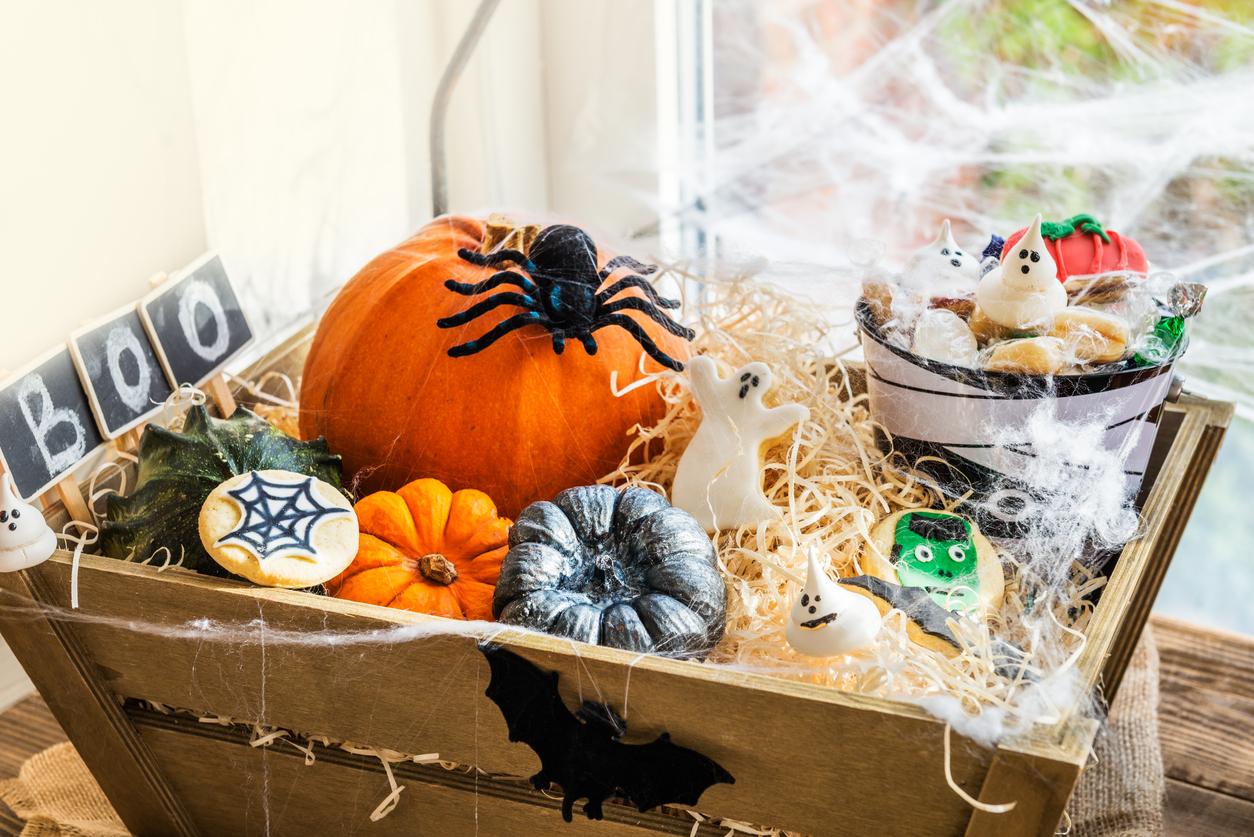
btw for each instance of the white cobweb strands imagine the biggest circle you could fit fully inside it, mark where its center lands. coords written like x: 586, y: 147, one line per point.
x: 834, y: 123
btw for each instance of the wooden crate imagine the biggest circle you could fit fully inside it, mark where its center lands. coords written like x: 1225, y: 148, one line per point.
x: 806, y: 758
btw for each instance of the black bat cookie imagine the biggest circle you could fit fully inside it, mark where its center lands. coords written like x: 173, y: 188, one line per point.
x: 580, y: 751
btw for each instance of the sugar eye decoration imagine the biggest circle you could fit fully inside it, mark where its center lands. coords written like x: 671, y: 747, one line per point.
x: 945, y: 251
x: 1023, y: 254
x: 923, y: 553
x: 1036, y: 257
x: 957, y: 553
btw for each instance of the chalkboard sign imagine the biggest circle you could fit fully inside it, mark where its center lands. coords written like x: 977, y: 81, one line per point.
x: 46, y: 424
x: 196, y: 322
x: 120, y: 370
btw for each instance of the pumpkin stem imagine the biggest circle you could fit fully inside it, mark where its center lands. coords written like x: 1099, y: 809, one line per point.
x: 1054, y: 230
x: 436, y: 568
x: 500, y: 233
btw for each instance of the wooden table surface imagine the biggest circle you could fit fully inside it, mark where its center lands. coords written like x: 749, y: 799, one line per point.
x: 1206, y: 720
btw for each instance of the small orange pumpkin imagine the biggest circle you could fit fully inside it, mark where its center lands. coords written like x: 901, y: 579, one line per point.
x: 427, y: 549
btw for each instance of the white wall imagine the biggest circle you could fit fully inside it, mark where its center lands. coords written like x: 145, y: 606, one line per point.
x: 99, y: 187
x: 98, y: 177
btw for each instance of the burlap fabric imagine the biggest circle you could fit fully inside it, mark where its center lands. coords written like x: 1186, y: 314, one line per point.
x: 56, y: 795
x: 1122, y: 790
x: 1120, y: 793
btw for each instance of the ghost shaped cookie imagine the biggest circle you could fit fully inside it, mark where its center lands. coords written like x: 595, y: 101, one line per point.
x: 941, y: 553
x: 25, y: 538
x: 719, y: 479
x: 827, y: 619
x: 942, y: 267
x: 279, y: 528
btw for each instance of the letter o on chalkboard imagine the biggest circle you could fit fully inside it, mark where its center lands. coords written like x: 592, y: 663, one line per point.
x: 200, y: 293
x: 134, y: 394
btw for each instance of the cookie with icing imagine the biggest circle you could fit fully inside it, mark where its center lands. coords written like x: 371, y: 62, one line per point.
x: 719, y: 479
x: 25, y: 537
x: 279, y: 528
x: 930, y: 625
x: 927, y: 623
x: 943, y: 554
x: 827, y: 620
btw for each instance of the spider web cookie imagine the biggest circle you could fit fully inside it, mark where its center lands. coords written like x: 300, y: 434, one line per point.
x: 279, y: 528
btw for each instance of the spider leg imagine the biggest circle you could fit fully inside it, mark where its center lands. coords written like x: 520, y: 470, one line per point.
x: 589, y: 344
x: 498, y: 331
x: 493, y: 259
x: 642, y: 337
x: 505, y: 277
x: 635, y: 303
x: 559, y: 342
x: 627, y: 261
x: 480, y: 308
x: 634, y: 281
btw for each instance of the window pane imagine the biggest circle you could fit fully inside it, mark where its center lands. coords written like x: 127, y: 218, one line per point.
x: 836, y: 123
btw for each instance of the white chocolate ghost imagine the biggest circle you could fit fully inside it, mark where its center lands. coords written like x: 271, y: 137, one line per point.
x: 25, y: 538
x: 942, y: 335
x: 942, y: 268
x: 827, y: 619
x: 1023, y: 293
x: 719, y: 480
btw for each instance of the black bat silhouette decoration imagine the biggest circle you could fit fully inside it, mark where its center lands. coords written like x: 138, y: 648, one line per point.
x: 580, y: 751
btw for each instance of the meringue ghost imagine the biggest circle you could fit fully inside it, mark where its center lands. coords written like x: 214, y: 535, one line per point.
x: 827, y: 619
x: 25, y: 538
x: 942, y: 335
x: 719, y: 479
x: 942, y: 267
x: 1023, y: 292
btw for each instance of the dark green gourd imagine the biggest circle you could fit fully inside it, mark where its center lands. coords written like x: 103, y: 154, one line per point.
x: 177, y: 471
x: 617, y: 568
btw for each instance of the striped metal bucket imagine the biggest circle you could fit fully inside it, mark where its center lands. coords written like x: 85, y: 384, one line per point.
x: 972, y: 420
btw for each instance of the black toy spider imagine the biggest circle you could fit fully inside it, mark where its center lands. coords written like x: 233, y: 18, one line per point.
x: 561, y: 295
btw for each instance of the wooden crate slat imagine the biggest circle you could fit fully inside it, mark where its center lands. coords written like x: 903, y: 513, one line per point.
x: 1217, y: 417
x: 64, y: 673
x: 427, y: 696
x: 232, y: 788
x: 1040, y: 786
x: 1122, y: 592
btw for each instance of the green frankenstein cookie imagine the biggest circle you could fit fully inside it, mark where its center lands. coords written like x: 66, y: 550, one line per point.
x: 936, y: 552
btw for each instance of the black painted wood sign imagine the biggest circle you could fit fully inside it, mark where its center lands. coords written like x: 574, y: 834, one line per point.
x: 196, y: 322
x: 46, y: 423
x: 120, y: 370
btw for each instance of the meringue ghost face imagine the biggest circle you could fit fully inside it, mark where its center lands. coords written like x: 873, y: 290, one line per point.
x: 942, y: 267
x: 1023, y: 293
x: 25, y: 539
x: 827, y: 619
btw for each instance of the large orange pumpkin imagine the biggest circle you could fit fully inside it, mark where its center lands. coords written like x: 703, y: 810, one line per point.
x: 427, y: 549
x: 517, y: 420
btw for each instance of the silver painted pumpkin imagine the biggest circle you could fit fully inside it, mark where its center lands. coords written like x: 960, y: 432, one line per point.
x: 617, y: 568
